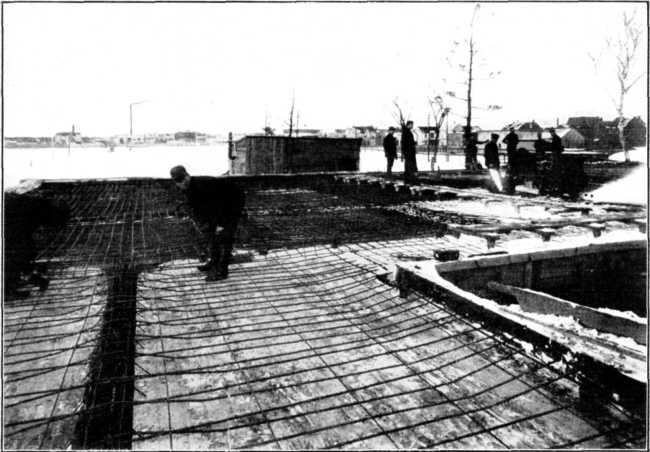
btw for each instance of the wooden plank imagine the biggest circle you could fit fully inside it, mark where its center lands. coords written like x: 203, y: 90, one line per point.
x: 542, y: 303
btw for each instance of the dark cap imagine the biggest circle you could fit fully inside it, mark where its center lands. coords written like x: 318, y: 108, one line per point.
x: 495, y: 136
x: 178, y: 172
x: 391, y: 129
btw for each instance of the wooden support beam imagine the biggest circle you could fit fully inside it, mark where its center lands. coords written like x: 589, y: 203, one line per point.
x: 445, y: 195
x: 491, y: 239
x: 546, y: 233
x: 642, y: 224
x: 490, y: 201
x: 543, y: 303
x: 428, y: 193
x: 405, y: 189
x: 596, y: 228
x: 454, y: 229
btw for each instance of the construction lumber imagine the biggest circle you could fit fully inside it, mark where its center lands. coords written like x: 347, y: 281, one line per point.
x: 543, y: 303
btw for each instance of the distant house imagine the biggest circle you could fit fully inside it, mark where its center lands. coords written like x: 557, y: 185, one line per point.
x: 570, y: 137
x: 65, y: 138
x: 460, y: 128
x: 634, y: 129
x: 590, y: 127
x: 370, y: 135
x: 428, y: 134
x: 530, y: 126
x: 186, y: 137
x: 455, y: 138
x: 27, y: 142
x: 304, y: 132
x: 601, y: 134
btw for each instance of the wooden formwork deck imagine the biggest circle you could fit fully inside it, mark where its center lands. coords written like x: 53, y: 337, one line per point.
x: 306, y: 349
x: 48, y: 340
x: 303, y: 347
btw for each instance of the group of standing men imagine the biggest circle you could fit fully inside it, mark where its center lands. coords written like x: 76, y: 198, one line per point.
x: 511, y: 140
x: 407, y: 148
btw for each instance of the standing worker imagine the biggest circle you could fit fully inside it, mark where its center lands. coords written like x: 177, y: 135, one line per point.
x: 471, y: 152
x: 556, y: 149
x: 491, y: 152
x: 390, y: 150
x: 408, y: 152
x: 217, y: 206
x: 511, y: 140
x: 556, y: 146
x: 24, y: 214
x: 540, y: 147
x: 492, y: 162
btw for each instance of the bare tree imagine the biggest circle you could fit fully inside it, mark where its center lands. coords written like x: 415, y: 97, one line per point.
x: 440, y: 110
x: 624, y: 51
x: 469, y: 69
x: 290, y: 123
x: 399, y: 117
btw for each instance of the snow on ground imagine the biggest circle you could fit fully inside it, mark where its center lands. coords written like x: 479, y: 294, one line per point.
x: 632, y: 188
x: 638, y: 154
x: 90, y: 163
x: 155, y: 161
x: 372, y: 160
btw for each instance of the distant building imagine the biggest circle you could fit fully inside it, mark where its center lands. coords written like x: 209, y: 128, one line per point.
x: 428, y: 134
x: 370, y: 135
x: 187, y: 136
x: 601, y: 134
x: 455, y: 138
x: 27, y: 142
x: 634, y: 129
x: 570, y: 137
x: 304, y: 132
x: 65, y: 138
x: 590, y: 127
x: 530, y: 126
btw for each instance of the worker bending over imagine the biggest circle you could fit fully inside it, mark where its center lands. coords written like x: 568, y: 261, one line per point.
x: 24, y: 215
x: 217, y: 206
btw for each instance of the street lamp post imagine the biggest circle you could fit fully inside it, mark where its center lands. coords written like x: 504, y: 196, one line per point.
x: 131, y: 118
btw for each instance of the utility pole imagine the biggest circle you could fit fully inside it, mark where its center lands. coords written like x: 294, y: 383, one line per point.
x: 70, y: 138
x: 131, y: 118
x: 468, y: 127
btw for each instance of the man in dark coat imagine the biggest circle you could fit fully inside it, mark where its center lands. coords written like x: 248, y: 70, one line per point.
x: 540, y: 147
x: 390, y: 150
x: 511, y: 140
x: 471, y: 152
x: 557, y: 167
x: 24, y: 214
x: 408, y: 152
x: 492, y: 152
x: 217, y: 206
x: 556, y: 146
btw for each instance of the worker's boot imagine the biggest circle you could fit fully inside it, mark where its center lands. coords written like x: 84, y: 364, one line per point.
x: 207, y: 266
x: 214, y: 275
x: 39, y: 280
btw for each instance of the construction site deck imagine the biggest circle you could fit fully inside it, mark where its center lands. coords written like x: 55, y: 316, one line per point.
x: 326, y: 334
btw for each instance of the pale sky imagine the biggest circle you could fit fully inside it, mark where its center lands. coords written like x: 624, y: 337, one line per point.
x: 225, y: 67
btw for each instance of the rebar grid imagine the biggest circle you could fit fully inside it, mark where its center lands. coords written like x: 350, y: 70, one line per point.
x: 355, y: 335
x: 299, y: 348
